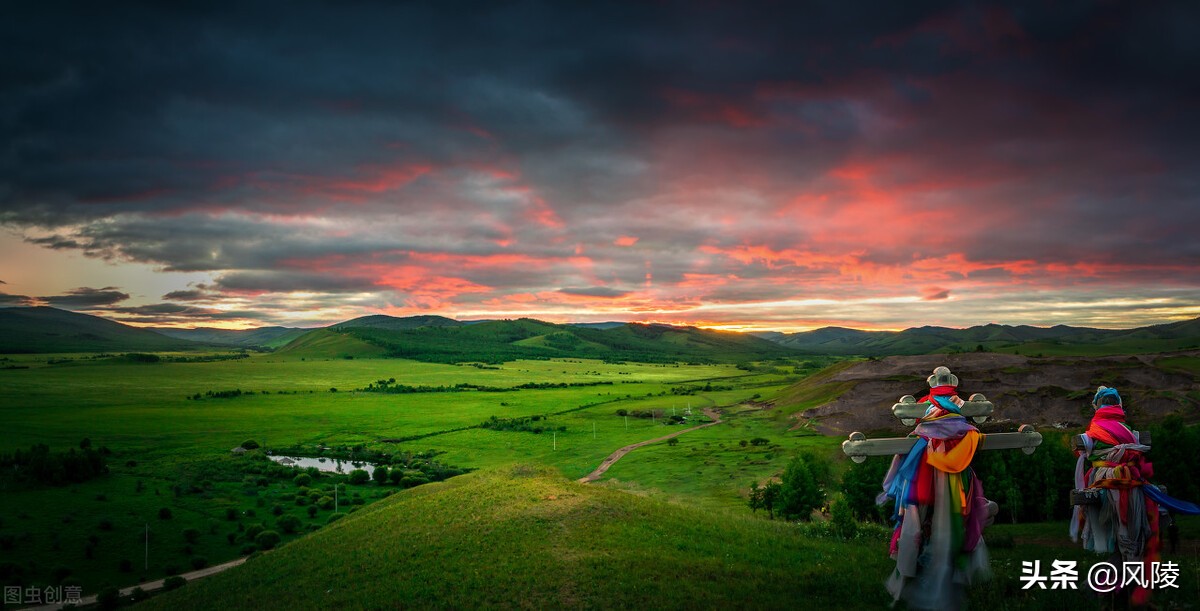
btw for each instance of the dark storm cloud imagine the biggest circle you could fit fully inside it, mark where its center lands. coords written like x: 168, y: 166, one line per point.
x: 15, y: 300
x: 189, y: 295
x: 85, y: 298
x: 754, y: 150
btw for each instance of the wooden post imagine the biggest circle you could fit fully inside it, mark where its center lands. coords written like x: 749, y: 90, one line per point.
x: 858, y: 447
x: 908, y: 410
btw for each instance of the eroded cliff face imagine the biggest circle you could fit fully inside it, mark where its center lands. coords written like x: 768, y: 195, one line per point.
x: 1046, y: 392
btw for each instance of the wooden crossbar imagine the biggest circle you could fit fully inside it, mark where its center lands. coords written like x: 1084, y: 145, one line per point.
x: 908, y: 410
x: 858, y: 447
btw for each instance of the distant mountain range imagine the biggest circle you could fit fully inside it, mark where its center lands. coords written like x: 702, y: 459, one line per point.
x: 1025, y: 339
x: 437, y: 338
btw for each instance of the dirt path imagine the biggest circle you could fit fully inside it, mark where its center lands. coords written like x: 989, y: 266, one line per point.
x: 149, y: 586
x: 615, y: 456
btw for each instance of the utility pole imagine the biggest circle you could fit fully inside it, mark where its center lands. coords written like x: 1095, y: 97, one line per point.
x: 335, y: 498
x: 593, y: 430
x: 146, y: 566
x: 556, y: 440
x: 626, y: 424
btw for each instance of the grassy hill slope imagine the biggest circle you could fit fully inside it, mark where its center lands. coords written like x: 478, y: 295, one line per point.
x: 327, y: 344
x: 504, y: 340
x: 1047, y: 392
x: 46, y: 329
x: 529, y: 538
x: 263, y: 337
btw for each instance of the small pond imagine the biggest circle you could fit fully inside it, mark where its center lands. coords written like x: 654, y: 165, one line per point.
x: 331, y: 465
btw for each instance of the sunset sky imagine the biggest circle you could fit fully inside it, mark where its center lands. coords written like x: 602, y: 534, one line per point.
x: 724, y: 164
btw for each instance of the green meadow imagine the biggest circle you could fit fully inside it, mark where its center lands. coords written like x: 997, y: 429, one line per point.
x: 171, y: 450
x: 667, y: 524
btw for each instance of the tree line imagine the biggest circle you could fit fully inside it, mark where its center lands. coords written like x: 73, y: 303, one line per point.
x: 39, y: 465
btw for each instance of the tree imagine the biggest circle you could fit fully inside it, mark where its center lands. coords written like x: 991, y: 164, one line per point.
x: 267, y: 539
x: 770, y: 498
x: 842, y: 519
x: 756, y: 497
x: 799, y: 494
x: 288, y: 524
x: 358, y: 476
x: 108, y: 598
x: 250, y: 444
x: 191, y: 535
x: 861, y: 484
x: 380, y: 475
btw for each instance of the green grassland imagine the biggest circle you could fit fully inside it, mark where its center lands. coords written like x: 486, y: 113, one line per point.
x: 162, y: 438
x: 501, y: 536
x: 526, y: 537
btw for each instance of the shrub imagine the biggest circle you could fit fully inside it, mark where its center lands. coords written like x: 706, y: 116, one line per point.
x: 325, y: 502
x: 759, y: 441
x: 199, y: 562
x: 288, y: 524
x: 302, y: 480
x: 799, y: 494
x: 164, y: 513
x: 231, y: 514
x: 126, y: 565
x: 105, y: 524
x: 312, y: 511
x: 674, y: 441
x: 380, y: 475
x: 253, y: 530
x: 267, y: 539
x: 841, y: 517
x: 396, y: 475
x: 250, y: 444
x: 174, y: 582
x: 191, y: 535
x: 248, y: 549
x: 335, y: 517
x: 108, y: 598
x: 137, y: 595
x: 358, y: 476
x: 277, y: 510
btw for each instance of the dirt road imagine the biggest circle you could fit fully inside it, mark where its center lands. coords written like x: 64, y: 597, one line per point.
x: 149, y: 586
x: 615, y: 456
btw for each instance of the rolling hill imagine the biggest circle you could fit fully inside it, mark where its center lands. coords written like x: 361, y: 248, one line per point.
x: 504, y: 340
x: 262, y: 337
x: 44, y: 329
x: 525, y: 537
x: 329, y: 344
x: 1047, y: 392
x: 1022, y: 339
